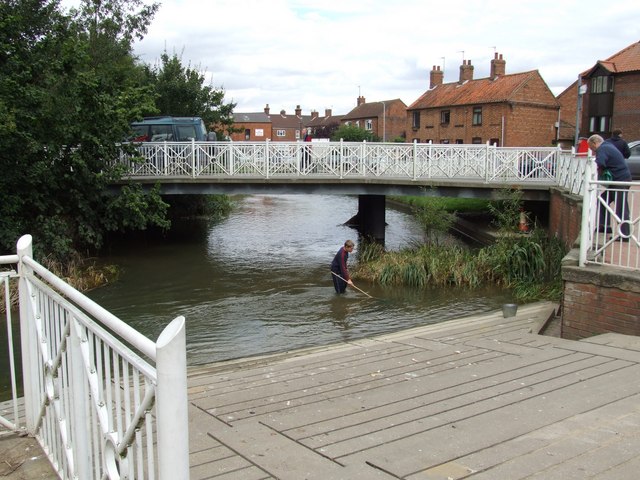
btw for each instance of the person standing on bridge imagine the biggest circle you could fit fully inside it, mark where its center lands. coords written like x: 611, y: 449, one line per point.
x: 608, y: 157
x: 617, y: 140
x: 339, y: 270
x: 306, y: 149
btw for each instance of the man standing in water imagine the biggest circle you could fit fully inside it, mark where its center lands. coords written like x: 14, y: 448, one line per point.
x: 339, y: 270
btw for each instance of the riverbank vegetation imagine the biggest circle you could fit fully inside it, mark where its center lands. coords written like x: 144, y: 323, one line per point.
x: 528, y: 264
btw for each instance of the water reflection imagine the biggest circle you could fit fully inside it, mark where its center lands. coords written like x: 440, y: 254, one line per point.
x: 259, y: 282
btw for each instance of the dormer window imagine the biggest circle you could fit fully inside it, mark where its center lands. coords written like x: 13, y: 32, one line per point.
x: 602, y: 84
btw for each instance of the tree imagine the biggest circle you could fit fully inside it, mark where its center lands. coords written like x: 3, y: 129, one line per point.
x: 351, y: 133
x: 326, y: 131
x: 181, y: 91
x: 69, y: 87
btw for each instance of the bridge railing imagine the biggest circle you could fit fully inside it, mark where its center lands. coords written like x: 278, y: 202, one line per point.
x: 104, y: 401
x: 610, y: 222
x: 345, y: 160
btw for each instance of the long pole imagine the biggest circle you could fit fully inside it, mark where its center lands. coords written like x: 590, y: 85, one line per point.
x: 334, y: 273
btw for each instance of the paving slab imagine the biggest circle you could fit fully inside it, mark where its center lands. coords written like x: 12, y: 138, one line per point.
x: 477, y: 397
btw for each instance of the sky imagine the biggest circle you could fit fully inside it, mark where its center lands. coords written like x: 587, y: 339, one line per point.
x: 324, y: 54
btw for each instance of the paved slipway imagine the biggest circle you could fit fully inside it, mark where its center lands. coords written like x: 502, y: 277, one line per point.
x: 481, y: 397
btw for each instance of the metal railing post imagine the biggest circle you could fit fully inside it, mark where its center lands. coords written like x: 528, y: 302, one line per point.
x: 341, y: 159
x: 24, y: 248
x: 415, y: 160
x: 193, y: 157
x: 585, y: 236
x: 171, y: 402
x: 81, y: 418
x: 266, y: 158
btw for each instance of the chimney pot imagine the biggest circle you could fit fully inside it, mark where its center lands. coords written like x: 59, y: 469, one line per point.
x: 436, y: 77
x: 498, y: 66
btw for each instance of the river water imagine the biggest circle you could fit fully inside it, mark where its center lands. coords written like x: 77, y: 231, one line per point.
x: 259, y: 282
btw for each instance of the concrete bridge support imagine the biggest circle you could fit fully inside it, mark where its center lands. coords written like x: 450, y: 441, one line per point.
x: 370, y: 219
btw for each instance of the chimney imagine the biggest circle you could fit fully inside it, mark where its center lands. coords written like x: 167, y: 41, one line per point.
x: 298, y: 111
x: 361, y: 101
x: 314, y: 114
x: 283, y: 112
x: 498, y: 66
x: 327, y: 112
x: 466, y: 71
x: 436, y: 77
x: 266, y: 109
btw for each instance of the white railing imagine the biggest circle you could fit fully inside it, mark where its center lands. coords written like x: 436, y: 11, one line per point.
x: 99, y: 409
x: 348, y: 160
x: 610, y: 229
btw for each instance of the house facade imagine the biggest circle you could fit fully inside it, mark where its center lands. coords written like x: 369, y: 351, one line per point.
x: 385, y: 119
x: 323, y: 127
x: 611, y: 98
x: 504, y: 109
x: 261, y: 126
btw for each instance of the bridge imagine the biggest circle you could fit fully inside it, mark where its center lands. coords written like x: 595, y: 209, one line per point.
x: 370, y: 170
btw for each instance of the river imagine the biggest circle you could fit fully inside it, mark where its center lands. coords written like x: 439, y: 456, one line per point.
x: 259, y: 282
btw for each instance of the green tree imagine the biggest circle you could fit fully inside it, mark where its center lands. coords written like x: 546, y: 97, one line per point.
x: 181, y: 91
x: 69, y: 87
x: 351, y: 133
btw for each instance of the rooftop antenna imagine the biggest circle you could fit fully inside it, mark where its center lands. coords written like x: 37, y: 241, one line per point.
x: 495, y: 50
x: 442, y: 58
x: 462, y: 52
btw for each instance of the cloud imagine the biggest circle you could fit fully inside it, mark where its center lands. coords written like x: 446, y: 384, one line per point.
x: 324, y: 54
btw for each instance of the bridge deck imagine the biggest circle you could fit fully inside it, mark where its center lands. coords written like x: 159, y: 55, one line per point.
x: 479, y: 397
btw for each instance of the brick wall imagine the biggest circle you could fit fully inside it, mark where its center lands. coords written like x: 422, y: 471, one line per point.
x: 596, y: 299
x: 626, y: 105
x: 565, y: 216
x: 599, y: 300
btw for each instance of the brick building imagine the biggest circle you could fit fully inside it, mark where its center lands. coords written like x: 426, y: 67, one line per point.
x: 323, y: 127
x: 611, y: 98
x: 385, y: 119
x: 281, y: 127
x: 508, y: 110
x: 254, y: 127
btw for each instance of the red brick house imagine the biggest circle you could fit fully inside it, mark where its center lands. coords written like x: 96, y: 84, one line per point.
x: 385, y: 119
x: 264, y: 125
x: 254, y: 127
x: 611, y: 98
x: 323, y: 127
x: 508, y: 110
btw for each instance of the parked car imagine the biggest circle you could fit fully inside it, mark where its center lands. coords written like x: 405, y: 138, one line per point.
x: 634, y: 160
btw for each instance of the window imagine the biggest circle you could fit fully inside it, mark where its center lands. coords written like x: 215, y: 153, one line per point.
x: 459, y: 141
x: 445, y: 116
x: 281, y: 133
x: 477, y: 116
x: 494, y: 141
x: 247, y: 134
x: 602, y: 84
x: 368, y: 125
x: 599, y: 124
x: 476, y: 140
x: 415, y: 120
x: 297, y: 134
x: 445, y: 141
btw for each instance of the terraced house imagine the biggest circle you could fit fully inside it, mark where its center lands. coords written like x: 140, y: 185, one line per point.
x: 609, y: 97
x: 504, y: 109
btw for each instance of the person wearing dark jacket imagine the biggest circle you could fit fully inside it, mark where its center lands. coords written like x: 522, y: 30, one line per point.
x: 339, y: 270
x: 617, y: 140
x: 608, y: 157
